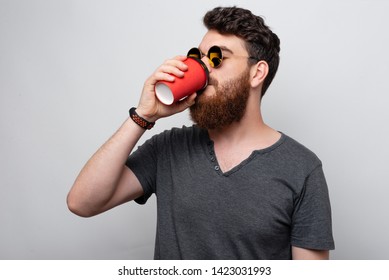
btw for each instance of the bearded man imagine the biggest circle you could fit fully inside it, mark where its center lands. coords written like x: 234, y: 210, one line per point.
x: 230, y: 186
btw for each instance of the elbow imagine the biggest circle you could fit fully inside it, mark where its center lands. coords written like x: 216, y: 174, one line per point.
x: 78, y: 208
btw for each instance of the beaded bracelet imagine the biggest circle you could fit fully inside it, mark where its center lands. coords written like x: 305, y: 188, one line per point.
x: 139, y: 120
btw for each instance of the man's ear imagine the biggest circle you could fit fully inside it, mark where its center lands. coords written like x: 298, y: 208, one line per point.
x: 258, y: 73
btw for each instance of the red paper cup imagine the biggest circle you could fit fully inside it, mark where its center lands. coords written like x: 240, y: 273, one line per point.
x: 194, y: 79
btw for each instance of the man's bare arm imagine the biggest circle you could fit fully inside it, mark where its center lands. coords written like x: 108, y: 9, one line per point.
x: 307, y: 254
x: 105, y: 181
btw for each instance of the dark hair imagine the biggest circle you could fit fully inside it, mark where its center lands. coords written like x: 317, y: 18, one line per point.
x: 261, y: 42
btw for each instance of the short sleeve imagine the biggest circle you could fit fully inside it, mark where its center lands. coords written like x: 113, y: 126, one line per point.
x: 312, y: 225
x: 143, y: 162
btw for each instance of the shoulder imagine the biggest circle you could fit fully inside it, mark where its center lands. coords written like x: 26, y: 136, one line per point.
x: 297, y: 148
x: 298, y: 154
x: 175, y: 137
x: 176, y: 133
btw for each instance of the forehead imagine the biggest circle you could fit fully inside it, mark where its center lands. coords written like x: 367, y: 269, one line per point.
x: 231, y: 42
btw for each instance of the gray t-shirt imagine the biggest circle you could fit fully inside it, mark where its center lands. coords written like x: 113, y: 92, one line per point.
x: 274, y: 199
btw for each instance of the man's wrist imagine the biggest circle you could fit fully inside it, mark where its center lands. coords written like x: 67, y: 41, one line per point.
x: 140, y: 120
x: 145, y: 115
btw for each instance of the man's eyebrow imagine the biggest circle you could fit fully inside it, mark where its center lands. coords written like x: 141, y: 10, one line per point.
x: 223, y: 48
x: 226, y: 49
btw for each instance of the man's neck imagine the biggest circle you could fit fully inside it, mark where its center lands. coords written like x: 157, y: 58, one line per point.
x: 250, y: 130
x: 236, y: 142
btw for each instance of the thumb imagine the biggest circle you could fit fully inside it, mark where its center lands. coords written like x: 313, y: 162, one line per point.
x: 187, y: 102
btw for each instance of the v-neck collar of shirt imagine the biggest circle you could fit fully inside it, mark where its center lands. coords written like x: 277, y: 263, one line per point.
x: 209, y: 147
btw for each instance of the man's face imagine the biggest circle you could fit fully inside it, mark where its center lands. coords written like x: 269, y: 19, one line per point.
x: 226, y: 105
x: 224, y: 100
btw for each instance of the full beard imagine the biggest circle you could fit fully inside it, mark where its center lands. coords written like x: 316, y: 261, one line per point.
x: 226, y: 106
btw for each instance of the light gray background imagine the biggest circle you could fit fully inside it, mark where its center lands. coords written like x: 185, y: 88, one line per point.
x: 70, y: 70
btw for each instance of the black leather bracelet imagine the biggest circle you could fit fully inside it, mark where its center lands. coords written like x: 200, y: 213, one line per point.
x: 139, y: 120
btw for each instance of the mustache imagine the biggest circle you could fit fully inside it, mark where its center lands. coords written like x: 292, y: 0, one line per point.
x: 211, y: 81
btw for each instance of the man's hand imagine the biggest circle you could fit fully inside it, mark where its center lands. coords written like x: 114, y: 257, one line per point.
x: 149, y: 107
